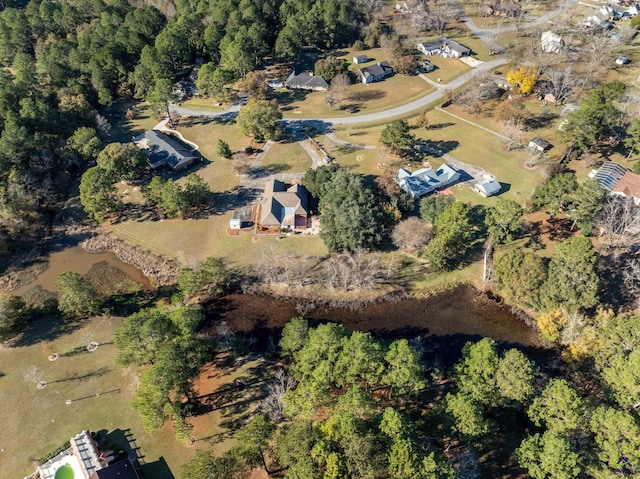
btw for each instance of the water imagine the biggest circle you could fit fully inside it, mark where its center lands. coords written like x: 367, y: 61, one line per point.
x: 79, y: 261
x: 445, y: 321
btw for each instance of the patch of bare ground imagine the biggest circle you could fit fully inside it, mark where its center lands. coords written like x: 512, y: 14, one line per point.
x: 160, y: 270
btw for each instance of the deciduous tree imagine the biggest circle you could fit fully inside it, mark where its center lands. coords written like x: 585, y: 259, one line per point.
x: 504, y: 220
x: 259, y: 119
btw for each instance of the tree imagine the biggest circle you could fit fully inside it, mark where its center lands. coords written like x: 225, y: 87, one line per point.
x: 520, y: 276
x: 349, y: 214
x: 468, y: 416
x: 632, y: 139
x: 503, y: 220
x: 616, y: 434
x: 294, y: 336
x: 259, y: 118
x: 212, y: 81
x: 572, y: 281
x: 523, y: 79
x: 556, y: 194
x: 161, y: 95
x: 34, y: 375
x: 422, y: 121
x: 273, y: 405
x: 559, y: 408
x: 211, y: 276
x: 397, y: 137
x: 433, y: 205
x: 122, y: 161
x: 85, y: 143
x: 252, y: 441
x: 255, y: 85
x: 511, y: 112
x: 515, y: 376
x: 619, y: 222
x: 404, y: 371
x: 588, y: 202
x: 13, y: 315
x: 411, y: 234
x: 361, y: 360
x: 476, y: 372
x: 330, y: 67
x: 549, y: 456
x: 206, y: 466
x: 97, y: 194
x: 453, y: 233
x: 339, y: 86
x: 78, y: 297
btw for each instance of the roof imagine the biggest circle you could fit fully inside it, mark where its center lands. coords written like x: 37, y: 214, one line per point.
x: 425, y: 180
x: 282, y: 202
x: 457, y: 47
x: 488, y: 186
x: 361, y: 58
x: 439, y: 43
x: 539, y: 142
x: 431, y: 45
x: 609, y: 175
x: 162, y: 149
x: 629, y: 185
x: 305, y: 79
x: 120, y: 470
x: 380, y: 69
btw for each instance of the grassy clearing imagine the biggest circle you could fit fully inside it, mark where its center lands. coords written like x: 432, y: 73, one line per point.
x: 201, y: 103
x: 447, y: 69
x: 379, y: 96
x: 36, y: 422
x: 123, y: 129
x: 286, y: 158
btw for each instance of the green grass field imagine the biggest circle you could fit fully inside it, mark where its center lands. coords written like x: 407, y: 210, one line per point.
x: 286, y: 158
x: 35, y: 422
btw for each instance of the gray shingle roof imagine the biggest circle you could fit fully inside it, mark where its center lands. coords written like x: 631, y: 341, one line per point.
x: 162, y: 149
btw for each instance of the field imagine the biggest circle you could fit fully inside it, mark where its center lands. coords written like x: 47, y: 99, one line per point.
x: 35, y: 422
x: 286, y: 158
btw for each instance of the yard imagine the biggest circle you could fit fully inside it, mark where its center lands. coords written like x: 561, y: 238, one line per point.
x: 286, y: 158
x: 37, y: 421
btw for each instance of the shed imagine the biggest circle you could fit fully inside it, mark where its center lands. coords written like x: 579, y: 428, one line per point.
x: 551, y: 42
x: 539, y: 144
x: 241, y: 218
x: 488, y: 186
x: 360, y: 59
x: 622, y: 60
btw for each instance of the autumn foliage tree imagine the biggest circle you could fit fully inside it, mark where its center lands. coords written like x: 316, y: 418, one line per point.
x: 523, y: 79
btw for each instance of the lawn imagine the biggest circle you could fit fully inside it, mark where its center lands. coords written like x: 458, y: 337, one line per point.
x: 202, y: 103
x: 379, y: 96
x: 447, y: 69
x: 35, y: 422
x: 286, y: 158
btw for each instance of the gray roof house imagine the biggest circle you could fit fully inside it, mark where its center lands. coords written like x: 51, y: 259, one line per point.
x: 539, y: 144
x: 284, y: 206
x: 377, y: 72
x: 360, y: 59
x: 426, y: 180
x: 162, y: 149
x: 488, y: 186
x: 444, y: 47
x: 305, y: 80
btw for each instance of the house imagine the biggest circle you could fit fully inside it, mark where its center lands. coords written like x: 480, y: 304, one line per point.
x: 551, y: 42
x: 162, y: 149
x: 426, y: 180
x: 444, y: 47
x: 360, y: 59
x: 84, y: 460
x: 284, y: 206
x: 622, y: 60
x: 618, y: 180
x: 539, y: 144
x: 377, y: 72
x: 305, y: 80
x: 488, y: 186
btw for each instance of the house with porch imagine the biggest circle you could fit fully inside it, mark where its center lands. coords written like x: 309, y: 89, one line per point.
x: 162, y: 149
x: 426, y: 180
x: 377, y: 72
x: 283, y: 206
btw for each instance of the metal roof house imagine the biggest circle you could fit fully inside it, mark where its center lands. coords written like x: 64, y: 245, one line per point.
x: 426, y: 180
x: 488, y: 186
x: 305, y: 80
x: 162, y: 149
x: 377, y: 72
x: 284, y: 206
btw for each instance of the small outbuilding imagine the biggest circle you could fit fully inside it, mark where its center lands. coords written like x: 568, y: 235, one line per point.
x: 622, y: 60
x: 539, y: 144
x: 551, y: 42
x: 488, y: 186
x: 241, y: 218
x: 360, y: 59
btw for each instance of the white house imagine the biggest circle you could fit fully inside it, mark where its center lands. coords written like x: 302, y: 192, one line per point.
x: 444, y: 47
x: 488, y: 186
x: 551, y: 42
x: 360, y: 59
x: 377, y: 72
x: 622, y: 60
x: 426, y: 180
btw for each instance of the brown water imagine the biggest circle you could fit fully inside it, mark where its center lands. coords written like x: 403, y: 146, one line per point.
x: 446, y: 321
x: 79, y: 261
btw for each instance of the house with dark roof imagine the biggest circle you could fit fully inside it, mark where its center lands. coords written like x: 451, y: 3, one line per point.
x: 120, y: 470
x: 162, y: 149
x: 377, y: 72
x: 539, y: 144
x: 426, y: 180
x: 284, y: 206
x: 360, y: 59
x: 305, y: 80
x: 618, y: 180
x: 444, y: 47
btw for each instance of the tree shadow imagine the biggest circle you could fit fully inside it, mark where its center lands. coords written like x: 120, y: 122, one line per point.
x: 276, y: 168
x: 368, y: 95
x: 504, y: 188
x: 287, y: 97
x: 440, y: 126
x: 46, y: 328
x: 541, y: 121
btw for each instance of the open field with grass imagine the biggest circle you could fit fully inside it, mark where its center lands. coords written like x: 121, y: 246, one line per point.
x: 37, y: 421
x: 286, y: 158
x: 447, y: 69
